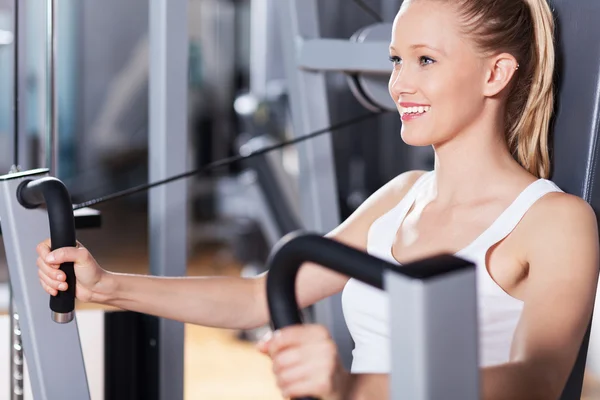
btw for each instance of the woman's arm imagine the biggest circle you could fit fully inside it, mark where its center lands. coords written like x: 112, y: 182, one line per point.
x: 562, y: 252
x: 225, y: 302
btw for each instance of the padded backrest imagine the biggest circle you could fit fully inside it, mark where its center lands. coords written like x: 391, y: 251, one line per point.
x: 576, y: 133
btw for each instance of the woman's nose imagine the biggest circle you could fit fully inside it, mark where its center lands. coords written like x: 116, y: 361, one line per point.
x: 401, y: 83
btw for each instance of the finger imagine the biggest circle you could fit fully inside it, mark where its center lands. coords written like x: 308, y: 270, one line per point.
x: 288, y: 358
x: 54, y: 284
x: 296, y: 335
x: 263, y: 344
x: 44, y: 248
x: 48, y: 289
x: 50, y: 270
x: 302, y: 381
x: 322, y: 355
x: 67, y: 254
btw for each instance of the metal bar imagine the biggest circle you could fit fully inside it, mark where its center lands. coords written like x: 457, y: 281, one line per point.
x: 16, y: 355
x: 55, y: 362
x: 307, y: 95
x: 167, y: 157
x: 434, y: 336
x: 266, y: 63
x: 16, y: 352
x: 345, y: 56
x: 16, y: 85
x: 52, y: 140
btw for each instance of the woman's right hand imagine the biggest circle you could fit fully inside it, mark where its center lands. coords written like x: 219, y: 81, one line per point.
x: 90, y: 285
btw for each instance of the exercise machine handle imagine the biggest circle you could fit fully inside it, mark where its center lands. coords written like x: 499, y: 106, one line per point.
x: 296, y: 248
x: 54, y: 194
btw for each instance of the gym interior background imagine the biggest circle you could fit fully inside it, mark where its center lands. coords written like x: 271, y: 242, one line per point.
x: 236, y: 91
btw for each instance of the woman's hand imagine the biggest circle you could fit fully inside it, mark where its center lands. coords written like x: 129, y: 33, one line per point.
x: 306, y: 362
x: 91, y: 280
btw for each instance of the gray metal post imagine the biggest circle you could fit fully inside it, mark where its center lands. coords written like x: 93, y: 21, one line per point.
x: 310, y: 112
x: 266, y: 64
x: 55, y: 359
x: 16, y: 353
x: 51, y: 115
x: 167, y: 157
x: 434, y: 336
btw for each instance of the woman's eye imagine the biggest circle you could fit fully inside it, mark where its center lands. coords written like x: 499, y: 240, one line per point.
x: 424, y: 60
x: 395, y: 60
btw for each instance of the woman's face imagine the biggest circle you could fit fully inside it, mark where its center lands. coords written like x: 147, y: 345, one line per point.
x: 438, y: 76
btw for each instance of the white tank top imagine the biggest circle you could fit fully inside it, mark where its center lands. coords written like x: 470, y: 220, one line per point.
x: 366, y: 308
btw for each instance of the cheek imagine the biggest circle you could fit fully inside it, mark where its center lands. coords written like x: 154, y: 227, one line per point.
x: 455, y: 101
x: 457, y: 98
x: 391, y: 87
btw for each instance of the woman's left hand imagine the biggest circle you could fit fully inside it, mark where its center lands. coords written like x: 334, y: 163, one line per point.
x: 306, y: 362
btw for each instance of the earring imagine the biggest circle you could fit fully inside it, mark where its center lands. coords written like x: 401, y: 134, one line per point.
x: 517, y: 67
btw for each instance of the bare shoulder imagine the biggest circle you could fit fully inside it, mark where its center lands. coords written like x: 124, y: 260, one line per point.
x: 395, y: 189
x: 314, y: 282
x: 562, y: 222
x: 563, y: 210
x: 353, y: 230
x: 389, y: 194
x: 560, y: 243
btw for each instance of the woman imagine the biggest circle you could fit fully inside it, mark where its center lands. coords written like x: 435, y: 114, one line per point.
x: 473, y: 79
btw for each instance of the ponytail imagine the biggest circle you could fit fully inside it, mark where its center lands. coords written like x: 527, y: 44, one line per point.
x: 528, y: 137
x: 525, y: 29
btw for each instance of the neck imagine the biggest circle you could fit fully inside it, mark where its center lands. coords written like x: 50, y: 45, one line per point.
x: 476, y: 159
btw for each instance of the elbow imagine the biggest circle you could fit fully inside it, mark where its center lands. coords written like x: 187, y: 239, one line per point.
x: 549, y: 385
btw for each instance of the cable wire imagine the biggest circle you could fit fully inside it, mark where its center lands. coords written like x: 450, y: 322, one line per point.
x: 222, y: 162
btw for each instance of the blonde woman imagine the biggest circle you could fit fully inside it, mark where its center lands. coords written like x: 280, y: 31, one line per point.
x: 473, y: 79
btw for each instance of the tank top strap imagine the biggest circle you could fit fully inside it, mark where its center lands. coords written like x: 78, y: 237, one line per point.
x: 411, y: 195
x: 510, y: 218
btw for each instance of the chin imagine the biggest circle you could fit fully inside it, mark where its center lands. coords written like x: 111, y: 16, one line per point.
x: 414, y: 137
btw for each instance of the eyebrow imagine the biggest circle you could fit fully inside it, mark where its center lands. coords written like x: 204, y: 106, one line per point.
x: 420, y: 46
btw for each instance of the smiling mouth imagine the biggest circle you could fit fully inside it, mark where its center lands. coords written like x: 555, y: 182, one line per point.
x: 412, y: 113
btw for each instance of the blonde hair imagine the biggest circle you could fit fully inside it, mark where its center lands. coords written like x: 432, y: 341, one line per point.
x: 524, y: 29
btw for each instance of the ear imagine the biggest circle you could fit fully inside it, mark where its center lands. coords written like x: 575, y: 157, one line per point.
x: 501, y: 70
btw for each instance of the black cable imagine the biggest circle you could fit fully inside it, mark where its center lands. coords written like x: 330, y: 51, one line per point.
x: 222, y: 162
x: 16, y: 86
x: 369, y: 10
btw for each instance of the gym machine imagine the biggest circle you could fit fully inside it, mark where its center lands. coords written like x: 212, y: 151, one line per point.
x: 436, y: 289
x: 575, y: 158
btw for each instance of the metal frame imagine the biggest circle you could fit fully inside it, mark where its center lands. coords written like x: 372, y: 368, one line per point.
x: 53, y: 351
x: 433, y: 323
x: 307, y: 93
x: 52, y: 100
x: 167, y: 157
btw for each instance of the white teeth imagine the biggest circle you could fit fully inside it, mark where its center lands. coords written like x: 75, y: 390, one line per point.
x: 415, y: 110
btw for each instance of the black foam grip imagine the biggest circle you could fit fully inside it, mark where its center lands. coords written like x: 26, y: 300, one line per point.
x: 295, y: 249
x: 54, y: 194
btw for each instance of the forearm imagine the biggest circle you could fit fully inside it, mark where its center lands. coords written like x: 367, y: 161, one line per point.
x: 224, y: 302
x: 362, y: 387
x: 516, y: 381
x: 512, y: 381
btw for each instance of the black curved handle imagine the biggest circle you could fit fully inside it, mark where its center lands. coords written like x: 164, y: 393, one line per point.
x: 297, y: 248
x: 286, y: 258
x: 53, y: 193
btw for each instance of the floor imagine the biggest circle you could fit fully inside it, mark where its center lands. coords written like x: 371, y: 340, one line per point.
x: 218, y: 366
